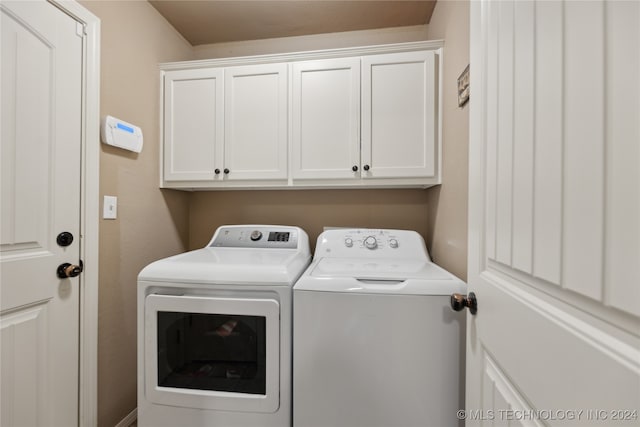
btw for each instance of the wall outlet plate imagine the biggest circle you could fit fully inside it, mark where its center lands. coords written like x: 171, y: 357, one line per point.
x: 110, y: 207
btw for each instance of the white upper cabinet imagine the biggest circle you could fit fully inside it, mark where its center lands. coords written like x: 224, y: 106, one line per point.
x: 193, y: 124
x: 255, y: 122
x: 326, y: 119
x: 344, y: 118
x: 399, y: 120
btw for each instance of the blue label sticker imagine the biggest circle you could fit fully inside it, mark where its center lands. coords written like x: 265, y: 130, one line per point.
x: 125, y: 128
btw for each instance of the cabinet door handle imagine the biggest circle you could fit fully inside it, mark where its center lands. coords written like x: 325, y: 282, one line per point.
x: 217, y: 171
x: 226, y: 171
x: 354, y: 168
x: 365, y: 167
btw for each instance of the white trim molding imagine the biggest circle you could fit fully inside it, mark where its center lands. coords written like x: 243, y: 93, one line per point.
x: 131, y: 418
x: 304, y: 56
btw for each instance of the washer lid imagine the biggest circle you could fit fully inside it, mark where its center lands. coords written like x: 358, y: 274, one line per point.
x: 229, y: 266
x: 379, y: 269
x: 357, y: 275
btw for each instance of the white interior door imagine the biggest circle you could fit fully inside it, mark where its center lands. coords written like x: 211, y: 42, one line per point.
x: 41, y: 141
x: 554, y: 213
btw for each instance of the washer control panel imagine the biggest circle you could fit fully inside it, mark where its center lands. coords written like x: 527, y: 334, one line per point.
x: 370, y: 243
x: 255, y: 237
x: 371, y: 239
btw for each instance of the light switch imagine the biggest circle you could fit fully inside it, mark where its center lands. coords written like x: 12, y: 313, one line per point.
x: 110, y: 207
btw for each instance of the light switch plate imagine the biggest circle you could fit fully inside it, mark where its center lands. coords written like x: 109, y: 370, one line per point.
x: 110, y: 207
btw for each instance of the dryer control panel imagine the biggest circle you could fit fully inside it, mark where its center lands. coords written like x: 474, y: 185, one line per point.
x: 370, y: 243
x: 255, y: 236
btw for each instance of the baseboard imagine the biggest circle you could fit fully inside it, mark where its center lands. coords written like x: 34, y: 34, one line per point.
x: 129, y: 419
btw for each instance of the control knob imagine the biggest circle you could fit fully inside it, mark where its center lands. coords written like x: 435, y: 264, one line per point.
x: 393, y: 243
x: 370, y: 242
x: 256, y: 235
x: 348, y: 242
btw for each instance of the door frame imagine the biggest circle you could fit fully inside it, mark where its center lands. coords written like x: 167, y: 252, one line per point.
x: 89, y: 210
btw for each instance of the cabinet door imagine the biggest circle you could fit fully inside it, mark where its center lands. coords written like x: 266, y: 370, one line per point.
x: 193, y: 124
x: 326, y: 119
x: 399, y: 121
x: 256, y: 122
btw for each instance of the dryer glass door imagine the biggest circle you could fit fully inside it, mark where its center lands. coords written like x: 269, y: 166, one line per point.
x: 217, y: 352
x: 212, y: 353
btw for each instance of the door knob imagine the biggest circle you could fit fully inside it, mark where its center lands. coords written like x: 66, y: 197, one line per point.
x: 67, y: 270
x: 459, y: 302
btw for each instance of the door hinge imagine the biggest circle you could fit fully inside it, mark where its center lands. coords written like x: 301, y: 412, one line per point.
x: 81, y: 29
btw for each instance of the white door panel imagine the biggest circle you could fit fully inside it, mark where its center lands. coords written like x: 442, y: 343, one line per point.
x: 256, y: 122
x: 622, y: 183
x: 326, y: 119
x: 554, y: 211
x: 399, y: 114
x: 502, y: 403
x: 40, y: 150
x: 27, y: 163
x: 193, y: 124
x: 24, y: 359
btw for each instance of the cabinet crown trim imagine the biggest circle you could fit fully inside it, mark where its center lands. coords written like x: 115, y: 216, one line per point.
x: 304, y: 56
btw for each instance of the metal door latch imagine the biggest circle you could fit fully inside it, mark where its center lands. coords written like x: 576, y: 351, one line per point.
x: 67, y: 270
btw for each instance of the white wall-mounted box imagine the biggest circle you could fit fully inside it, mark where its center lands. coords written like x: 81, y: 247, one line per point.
x: 121, y: 134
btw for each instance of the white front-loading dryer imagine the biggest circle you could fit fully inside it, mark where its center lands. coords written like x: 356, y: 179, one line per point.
x: 376, y: 343
x: 214, y: 330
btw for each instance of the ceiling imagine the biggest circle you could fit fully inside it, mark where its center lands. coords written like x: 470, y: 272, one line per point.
x: 217, y: 21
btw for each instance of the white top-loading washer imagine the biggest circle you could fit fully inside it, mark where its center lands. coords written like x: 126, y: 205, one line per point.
x: 214, y: 340
x: 375, y: 340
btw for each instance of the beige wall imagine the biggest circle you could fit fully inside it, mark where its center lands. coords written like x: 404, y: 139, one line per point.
x: 151, y: 223
x: 315, y: 42
x: 447, y: 229
x: 310, y: 210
